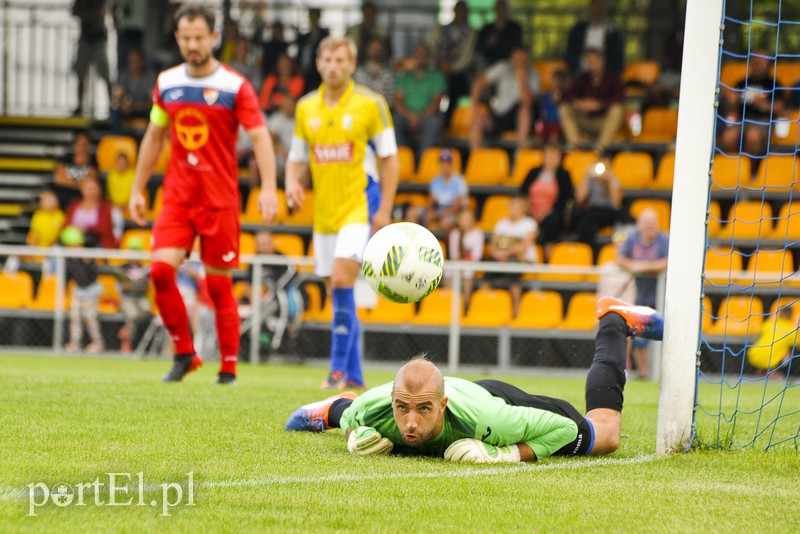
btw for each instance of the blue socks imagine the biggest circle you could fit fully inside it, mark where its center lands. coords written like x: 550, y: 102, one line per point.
x: 345, y: 349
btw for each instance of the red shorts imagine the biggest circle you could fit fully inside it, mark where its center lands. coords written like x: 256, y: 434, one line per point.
x: 177, y: 225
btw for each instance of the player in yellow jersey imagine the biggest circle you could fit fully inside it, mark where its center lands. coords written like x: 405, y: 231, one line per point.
x: 344, y: 135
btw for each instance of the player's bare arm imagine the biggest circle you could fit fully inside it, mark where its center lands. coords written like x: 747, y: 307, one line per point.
x: 264, y: 153
x: 149, y: 152
x: 295, y: 192
x: 388, y: 168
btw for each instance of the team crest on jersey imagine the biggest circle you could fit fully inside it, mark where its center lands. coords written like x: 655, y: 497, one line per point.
x: 347, y: 122
x: 210, y: 95
x: 315, y: 123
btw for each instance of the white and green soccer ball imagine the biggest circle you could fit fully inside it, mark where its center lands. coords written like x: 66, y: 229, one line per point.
x: 403, y: 262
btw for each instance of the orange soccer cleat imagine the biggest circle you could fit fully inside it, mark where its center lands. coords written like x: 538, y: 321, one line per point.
x: 643, y: 321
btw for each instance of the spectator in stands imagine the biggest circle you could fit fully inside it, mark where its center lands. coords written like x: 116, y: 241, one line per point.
x: 644, y: 254
x: 47, y: 221
x: 416, y: 103
x: 498, y: 39
x: 375, y: 73
x: 281, y: 127
x: 119, y: 181
x: 92, y: 45
x: 447, y: 195
x: 513, y: 240
x: 597, y: 33
x: 74, y: 168
x: 91, y: 214
x: 551, y: 197
x: 272, y: 48
x: 754, y: 103
x: 592, y: 108
x: 453, y: 47
x: 369, y: 29
x: 85, y: 295
x: 548, y: 125
x: 307, y: 45
x: 244, y: 62
x: 133, y: 92
x: 515, y: 84
x: 134, y: 281
x: 598, y: 199
x: 286, y: 81
x: 466, y: 242
x: 130, y: 23
x: 776, y: 341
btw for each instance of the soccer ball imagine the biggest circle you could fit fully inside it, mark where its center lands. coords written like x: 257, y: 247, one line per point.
x: 403, y: 262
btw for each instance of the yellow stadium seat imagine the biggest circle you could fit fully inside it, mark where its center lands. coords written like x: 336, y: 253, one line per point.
x: 405, y: 157
x: 732, y: 72
x: 314, y: 304
x: 725, y: 261
x: 251, y: 213
x: 730, y: 172
x: 494, y: 208
x: 581, y: 312
x: 429, y: 164
x: 539, y: 310
x: 607, y: 254
x: 546, y: 69
x: 748, y: 219
x: 661, y: 207
x: 576, y: 163
x: 460, y: 122
x: 714, y: 219
x: 787, y: 225
x: 665, y: 175
x: 527, y: 159
x: 158, y: 202
x: 386, y: 312
x: 434, y: 310
x: 633, y: 169
x: 659, y: 125
x: 738, y: 315
x: 645, y: 72
x: 163, y: 159
x: 488, y: 308
x: 247, y: 245
x: 111, y: 146
x: 288, y: 244
x: 569, y: 254
x: 109, y: 299
x: 45, y: 299
x: 787, y: 72
x: 16, y: 290
x: 303, y: 216
x: 778, y: 173
x: 487, y: 166
x: 770, y: 267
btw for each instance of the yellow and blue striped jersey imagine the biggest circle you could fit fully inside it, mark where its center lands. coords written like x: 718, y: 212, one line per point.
x: 341, y: 144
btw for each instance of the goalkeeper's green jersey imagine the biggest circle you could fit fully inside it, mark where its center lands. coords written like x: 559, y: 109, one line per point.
x: 471, y: 412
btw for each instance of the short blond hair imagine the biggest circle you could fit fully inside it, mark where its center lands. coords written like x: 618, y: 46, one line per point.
x: 332, y: 43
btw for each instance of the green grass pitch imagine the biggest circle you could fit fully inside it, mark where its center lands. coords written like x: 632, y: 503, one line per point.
x: 73, y: 420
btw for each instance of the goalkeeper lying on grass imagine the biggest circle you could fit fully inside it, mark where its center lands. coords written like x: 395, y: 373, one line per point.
x: 487, y: 421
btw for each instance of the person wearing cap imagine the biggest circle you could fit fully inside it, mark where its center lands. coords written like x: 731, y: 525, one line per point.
x: 447, y: 194
x: 85, y: 294
x: 134, y: 282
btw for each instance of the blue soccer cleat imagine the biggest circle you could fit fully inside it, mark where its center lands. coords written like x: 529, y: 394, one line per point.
x: 643, y: 321
x: 314, y: 417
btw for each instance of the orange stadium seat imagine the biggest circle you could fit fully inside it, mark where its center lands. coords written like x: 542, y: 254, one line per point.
x: 434, y: 310
x: 110, y: 298
x: 645, y: 72
x: 405, y: 158
x: 158, y: 202
x: 770, y: 267
x: 386, y: 312
x: 665, y: 176
x: 633, y: 169
x: 662, y: 208
x: 729, y: 172
x: 288, y: 244
x: 738, y: 315
x: 494, y: 208
x: 659, y: 125
x: 607, y: 254
x: 488, y: 308
x: 314, y: 304
x: 460, y: 122
x: 708, y: 314
x: 253, y: 216
x: 487, y: 166
x: 247, y: 245
x: 527, y: 159
x: 723, y: 261
x: 429, y: 164
x: 778, y: 173
x: 546, y: 69
x: 16, y: 290
x: 576, y: 163
x: 787, y: 224
x: 45, y: 299
x: 539, y: 310
x: 787, y: 72
x: 303, y: 216
x: 111, y: 146
x: 732, y: 72
x: 714, y: 218
x: 581, y: 312
x: 569, y: 254
x: 163, y: 159
x: 748, y: 219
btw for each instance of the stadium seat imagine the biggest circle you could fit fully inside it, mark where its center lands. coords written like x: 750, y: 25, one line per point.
x: 142, y: 234
x: 644, y: 72
x: 494, y: 208
x: 728, y: 172
x: 546, y: 69
x: 386, y: 312
x: 769, y: 268
x: 252, y: 215
x: 581, y: 312
x: 708, y: 314
x: 490, y: 308
x: 110, y: 298
x: 289, y: 244
x: 314, y: 304
x: 786, y: 302
x: 607, y: 254
x: 539, y: 310
x: 429, y: 164
x: 661, y: 207
x: 460, y: 122
x: 16, y: 290
x: 576, y: 163
x: 665, y: 175
x: 659, y: 125
x: 110, y: 146
x: 487, y: 166
x: 527, y: 159
x: 787, y: 224
x: 737, y: 316
x: 714, y: 218
x: 405, y: 157
x: 778, y: 173
x: 158, y: 202
x: 45, y: 299
x: 569, y: 254
x: 303, y: 216
x: 247, y: 245
x: 633, y: 169
x: 725, y: 261
x: 748, y: 219
x: 787, y: 72
x: 434, y: 310
x: 732, y: 72
x: 163, y: 160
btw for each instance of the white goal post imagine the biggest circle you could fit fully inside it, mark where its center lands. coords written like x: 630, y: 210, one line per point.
x: 687, y: 244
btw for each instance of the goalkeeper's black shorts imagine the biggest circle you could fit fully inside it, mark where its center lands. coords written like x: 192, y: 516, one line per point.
x: 514, y: 396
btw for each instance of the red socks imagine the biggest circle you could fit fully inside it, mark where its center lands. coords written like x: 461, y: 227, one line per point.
x: 171, y: 307
x: 227, y: 318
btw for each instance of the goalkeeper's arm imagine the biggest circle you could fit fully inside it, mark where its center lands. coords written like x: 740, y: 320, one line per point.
x: 366, y: 441
x: 476, y: 451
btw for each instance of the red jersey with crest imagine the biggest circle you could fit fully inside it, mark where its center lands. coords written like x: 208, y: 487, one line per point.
x: 204, y: 115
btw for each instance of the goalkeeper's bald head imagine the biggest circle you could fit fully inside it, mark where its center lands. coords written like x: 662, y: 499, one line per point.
x: 419, y: 374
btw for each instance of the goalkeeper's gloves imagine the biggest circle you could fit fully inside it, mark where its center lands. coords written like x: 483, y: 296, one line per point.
x: 477, y: 452
x: 366, y: 441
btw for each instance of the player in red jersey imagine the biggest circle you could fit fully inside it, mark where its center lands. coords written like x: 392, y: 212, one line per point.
x: 201, y: 103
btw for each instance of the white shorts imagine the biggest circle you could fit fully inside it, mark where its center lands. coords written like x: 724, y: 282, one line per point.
x: 348, y: 243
